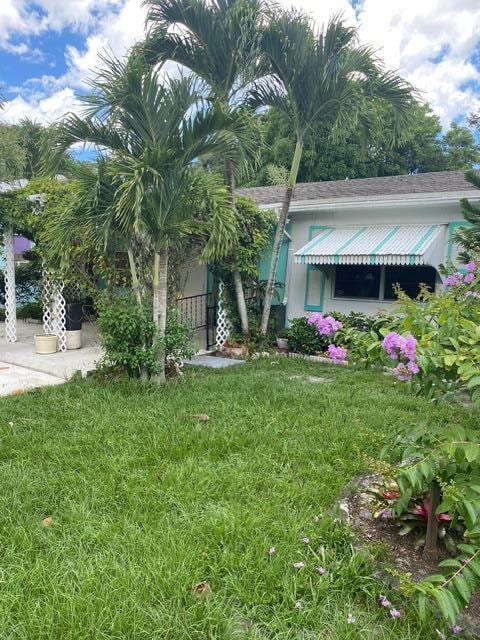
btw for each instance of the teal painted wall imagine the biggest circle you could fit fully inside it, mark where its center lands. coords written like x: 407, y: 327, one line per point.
x: 264, y: 266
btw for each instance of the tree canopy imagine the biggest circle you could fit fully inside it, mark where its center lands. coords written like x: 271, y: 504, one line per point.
x: 421, y: 148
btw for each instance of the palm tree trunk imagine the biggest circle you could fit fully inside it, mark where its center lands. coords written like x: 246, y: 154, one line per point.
x: 277, y: 242
x: 237, y: 276
x: 138, y: 296
x: 160, y: 272
x: 134, y: 276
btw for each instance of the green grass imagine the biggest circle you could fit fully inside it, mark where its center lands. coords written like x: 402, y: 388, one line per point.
x: 147, y: 501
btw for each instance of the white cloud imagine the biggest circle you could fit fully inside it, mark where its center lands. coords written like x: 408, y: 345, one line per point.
x: 430, y: 43
x: 44, y: 109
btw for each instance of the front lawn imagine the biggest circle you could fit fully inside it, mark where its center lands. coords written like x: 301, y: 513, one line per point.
x: 148, y: 500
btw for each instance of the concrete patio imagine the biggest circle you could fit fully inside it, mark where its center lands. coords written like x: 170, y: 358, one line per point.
x: 21, y: 368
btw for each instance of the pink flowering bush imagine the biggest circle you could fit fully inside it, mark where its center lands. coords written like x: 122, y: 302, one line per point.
x: 326, y: 325
x: 434, y: 341
x: 336, y: 354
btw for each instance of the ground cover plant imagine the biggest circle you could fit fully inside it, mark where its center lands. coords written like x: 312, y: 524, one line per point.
x: 200, y: 511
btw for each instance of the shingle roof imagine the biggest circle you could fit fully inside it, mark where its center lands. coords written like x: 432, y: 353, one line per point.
x: 435, y: 182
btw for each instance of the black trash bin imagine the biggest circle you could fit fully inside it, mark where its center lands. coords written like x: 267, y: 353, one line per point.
x: 73, y: 316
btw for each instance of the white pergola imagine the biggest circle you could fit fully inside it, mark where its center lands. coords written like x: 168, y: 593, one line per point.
x: 52, y: 288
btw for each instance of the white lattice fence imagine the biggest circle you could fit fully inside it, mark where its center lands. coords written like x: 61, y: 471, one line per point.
x: 54, y: 309
x: 224, y: 326
x: 10, y: 297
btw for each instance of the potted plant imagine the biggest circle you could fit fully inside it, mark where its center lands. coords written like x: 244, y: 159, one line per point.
x: 46, y: 343
x: 234, y: 347
x: 282, y: 340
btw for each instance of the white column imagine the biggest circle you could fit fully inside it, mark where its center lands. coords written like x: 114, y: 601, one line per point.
x: 54, y: 309
x: 10, y: 297
x: 224, y: 325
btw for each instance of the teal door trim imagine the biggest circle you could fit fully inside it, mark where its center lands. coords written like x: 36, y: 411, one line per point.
x: 310, y: 268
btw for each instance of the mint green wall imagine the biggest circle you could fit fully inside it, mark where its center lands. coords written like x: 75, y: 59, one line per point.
x: 282, y: 264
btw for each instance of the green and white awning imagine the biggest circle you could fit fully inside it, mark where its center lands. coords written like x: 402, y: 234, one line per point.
x: 415, y: 244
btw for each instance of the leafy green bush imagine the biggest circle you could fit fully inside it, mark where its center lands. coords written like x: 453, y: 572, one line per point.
x: 129, y: 338
x: 32, y: 310
x: 305, y: 338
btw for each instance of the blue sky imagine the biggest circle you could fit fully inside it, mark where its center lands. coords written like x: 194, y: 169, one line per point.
x: 48, y: 48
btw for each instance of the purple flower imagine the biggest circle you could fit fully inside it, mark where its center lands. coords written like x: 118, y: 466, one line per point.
x: 471, y: 267
x: 385, y: 514
x: 298, y: 605
x: 306, y: 540
x: 470, y: 277
x: 351, y: 619
x: 456, y: 630
x: 395, y: 613
x: 384, y: 601
x: 320, y: 570
x: 453, y: 279
x: 272, y: 551
x: 413, y: 367
x: 326, y: 325
x: 298, y: 565
x: 402, y: 373
x: 336, y: 354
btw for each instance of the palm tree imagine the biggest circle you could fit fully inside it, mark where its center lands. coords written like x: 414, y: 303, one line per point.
x: 154, y: 133
x: 219, y: 41
x: 320, y: 77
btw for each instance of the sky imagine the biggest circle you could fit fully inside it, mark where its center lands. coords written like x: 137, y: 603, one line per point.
x: 49, y: 48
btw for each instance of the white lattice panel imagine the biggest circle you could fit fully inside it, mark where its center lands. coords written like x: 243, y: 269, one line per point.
x: 54, y: 309
x: 10, y: 297
x: 224, y: 326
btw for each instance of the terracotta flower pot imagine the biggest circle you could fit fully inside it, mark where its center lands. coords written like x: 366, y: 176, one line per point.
x: 46, y: 343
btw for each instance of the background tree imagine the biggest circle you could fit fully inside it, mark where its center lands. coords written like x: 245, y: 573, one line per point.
x: 218, y: 41
x: 12, y: 153
x: 468, y: 237
x: 422, y: 147
x: 320, y: 76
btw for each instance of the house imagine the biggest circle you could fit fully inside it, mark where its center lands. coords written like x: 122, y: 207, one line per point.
x: 348, y: 243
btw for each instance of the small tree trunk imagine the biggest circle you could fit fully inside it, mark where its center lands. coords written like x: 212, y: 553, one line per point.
x: 160, y: 273
x: 138, y: 297
x: 237, y: 276
x: 277, y: 242
x: 430, y: 551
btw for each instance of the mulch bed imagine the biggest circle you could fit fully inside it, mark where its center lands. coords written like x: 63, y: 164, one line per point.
x: 355, y: 507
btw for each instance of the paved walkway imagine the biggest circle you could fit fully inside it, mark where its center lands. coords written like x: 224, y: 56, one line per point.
x: 213, y: 361
x: 15, y: 380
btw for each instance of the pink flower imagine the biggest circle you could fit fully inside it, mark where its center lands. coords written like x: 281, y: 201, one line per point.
x: 395, y: 613
x: 385, y: 514
x: 470, y: 277
x: 384, y: 601
x: 326, y: 326
x: 471, y: 267
x: 272, y: 551
x: 298, y: 565
x: 456, y: 630
x: 320, y: 570
x: 337, y: 354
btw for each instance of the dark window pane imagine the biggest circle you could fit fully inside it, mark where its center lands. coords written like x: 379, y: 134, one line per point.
x: 409, y: 279
x: 357, y: 281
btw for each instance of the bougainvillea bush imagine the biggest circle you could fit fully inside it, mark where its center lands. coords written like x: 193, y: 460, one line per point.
x: 434, y: 342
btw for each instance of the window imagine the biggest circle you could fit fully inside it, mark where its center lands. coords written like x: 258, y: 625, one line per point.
x: 409, y: 279
x: 378, y: 283
x: 357, y: 281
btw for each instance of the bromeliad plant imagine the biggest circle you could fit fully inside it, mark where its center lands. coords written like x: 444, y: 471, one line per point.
x: 443, y: 463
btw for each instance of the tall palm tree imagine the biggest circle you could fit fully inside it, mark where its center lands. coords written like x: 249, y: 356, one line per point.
x: 219, y: 41
x: 320, y: 77
x: 154, y: 133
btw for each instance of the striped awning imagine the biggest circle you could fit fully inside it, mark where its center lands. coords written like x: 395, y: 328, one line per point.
x: 416, y: 244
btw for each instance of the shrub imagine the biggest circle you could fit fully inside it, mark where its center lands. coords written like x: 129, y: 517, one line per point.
x: 32, y: 310
x: 304, y: 338
x: 128, y: 336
